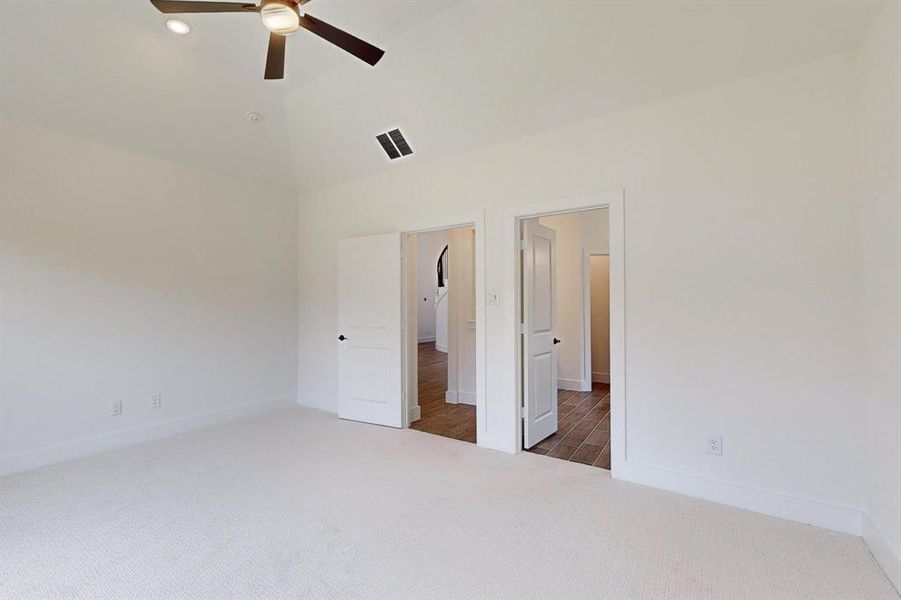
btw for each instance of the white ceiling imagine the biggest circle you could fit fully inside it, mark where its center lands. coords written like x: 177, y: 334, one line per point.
x: 455, y: 75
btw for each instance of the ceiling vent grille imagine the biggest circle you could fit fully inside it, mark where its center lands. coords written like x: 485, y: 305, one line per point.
x: 394, y: 144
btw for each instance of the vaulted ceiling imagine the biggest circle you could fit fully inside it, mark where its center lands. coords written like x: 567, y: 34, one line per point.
x: 455, y: 75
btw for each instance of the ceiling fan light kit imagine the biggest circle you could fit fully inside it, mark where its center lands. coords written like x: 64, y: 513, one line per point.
x: 281, y: 18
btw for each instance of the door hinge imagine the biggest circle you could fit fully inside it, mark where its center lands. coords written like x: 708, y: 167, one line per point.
x: 522, y: 328
x: 525, y: 411
x: 523, y: 245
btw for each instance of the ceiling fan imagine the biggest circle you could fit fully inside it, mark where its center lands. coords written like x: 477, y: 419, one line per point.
x: 281, y: 18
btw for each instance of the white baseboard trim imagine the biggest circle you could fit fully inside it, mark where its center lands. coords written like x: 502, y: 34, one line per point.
x: 466, y: 398
x: 441, y: 348
x: 323, y: 403
x: 598, y: 377
x: 414, y: 413
x: 31, y: 459
x: 458, y: 397
x: 768, y: 502
x: 428, y: 338
x: 887, y: 558
x: 575, y: 385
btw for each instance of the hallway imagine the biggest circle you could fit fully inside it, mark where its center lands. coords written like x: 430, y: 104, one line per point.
x: 457, y: 421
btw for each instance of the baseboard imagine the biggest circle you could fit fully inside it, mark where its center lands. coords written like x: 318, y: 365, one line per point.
x: 466, y: 398
x: 768, y: 502
x: 441, y: 348
x: 24, y: 461
x: 327, y: 404
x: 887, y: 558
x: 458, y: 397
x: 575, y: 385
x: 414, y: 413
x: 598, y: 377
x: 428, y: 338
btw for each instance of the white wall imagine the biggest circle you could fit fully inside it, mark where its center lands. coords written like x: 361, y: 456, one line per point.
x: 124, y: 276
x: 880, y: 103
x: 575, y: 233
x: 750, y: 184
x: 461, y: 317
x: 600, y: 318
x: 570, y: 320
x: 428, y: 248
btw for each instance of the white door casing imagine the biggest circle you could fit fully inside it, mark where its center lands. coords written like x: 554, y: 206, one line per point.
x: 369, y: 318
x: 539, y: 273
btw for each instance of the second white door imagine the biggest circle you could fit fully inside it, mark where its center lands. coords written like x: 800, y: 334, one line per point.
x: 539, y: 274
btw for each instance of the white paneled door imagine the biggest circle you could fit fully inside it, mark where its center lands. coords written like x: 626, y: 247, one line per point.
x: 369, y: 329
x: 539, y: 274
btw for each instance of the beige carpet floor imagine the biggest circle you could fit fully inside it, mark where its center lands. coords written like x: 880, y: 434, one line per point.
x: 297, y: 504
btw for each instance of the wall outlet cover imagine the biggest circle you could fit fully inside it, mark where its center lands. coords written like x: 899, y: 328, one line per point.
x: 715, y: 445
x: 116, y: 409
x: 156, y: 400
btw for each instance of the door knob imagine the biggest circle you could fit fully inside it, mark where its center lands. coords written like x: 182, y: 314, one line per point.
x: 341, y: 337
x: 556, y: 341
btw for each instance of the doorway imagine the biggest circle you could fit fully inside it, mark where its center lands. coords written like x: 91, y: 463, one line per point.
x: 442, y: 340
x: 566, y: 336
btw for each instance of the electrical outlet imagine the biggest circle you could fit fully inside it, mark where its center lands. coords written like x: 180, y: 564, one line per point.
x: 715, y: 445
x: 116, y: 409
x: 156, y: 400
x: 494, y: 298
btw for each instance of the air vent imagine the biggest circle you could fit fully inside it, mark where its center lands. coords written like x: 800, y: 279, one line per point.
x: 394, y: 144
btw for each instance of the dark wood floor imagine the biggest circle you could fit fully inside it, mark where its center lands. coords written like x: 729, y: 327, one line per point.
x: 457, y: 421
x: 583, y: 428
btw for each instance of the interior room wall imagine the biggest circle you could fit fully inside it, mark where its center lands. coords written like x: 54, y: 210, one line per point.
x: 125, y: 276
x: 725, y: 180
x: 570, y: 321
x: 600, y: 318
x: 461, y: 317
x: 880, y: 234
x: 576, y: 233
x: 429, y: 247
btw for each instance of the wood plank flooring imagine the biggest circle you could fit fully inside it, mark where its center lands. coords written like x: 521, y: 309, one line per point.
x: 457, y: 421
x: 583, y: 428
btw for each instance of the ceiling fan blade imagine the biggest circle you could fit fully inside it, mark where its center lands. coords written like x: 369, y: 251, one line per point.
x: 362, y: 50
x: 184, y: 6
x: 275, y: 58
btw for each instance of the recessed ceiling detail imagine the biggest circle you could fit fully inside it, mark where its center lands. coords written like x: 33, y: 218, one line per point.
x: 394, y: 144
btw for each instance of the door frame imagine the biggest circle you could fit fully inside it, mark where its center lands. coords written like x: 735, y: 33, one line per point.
x: 409, y: 360
x: 613, y: 201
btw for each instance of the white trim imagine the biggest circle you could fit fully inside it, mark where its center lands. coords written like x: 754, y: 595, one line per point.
x: 428, y: 338
x: 450, y: 397
x: 466, y: 398
x: 441, y: 348
x: 477, y: 221
x: 575, y: 385
x: 614, y: 201
x: 768, y: 502
x: 587, y: 252
x: 598, y: 377
x: 882, y: 552
x: 414, y: 414
x: 48, y: 455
